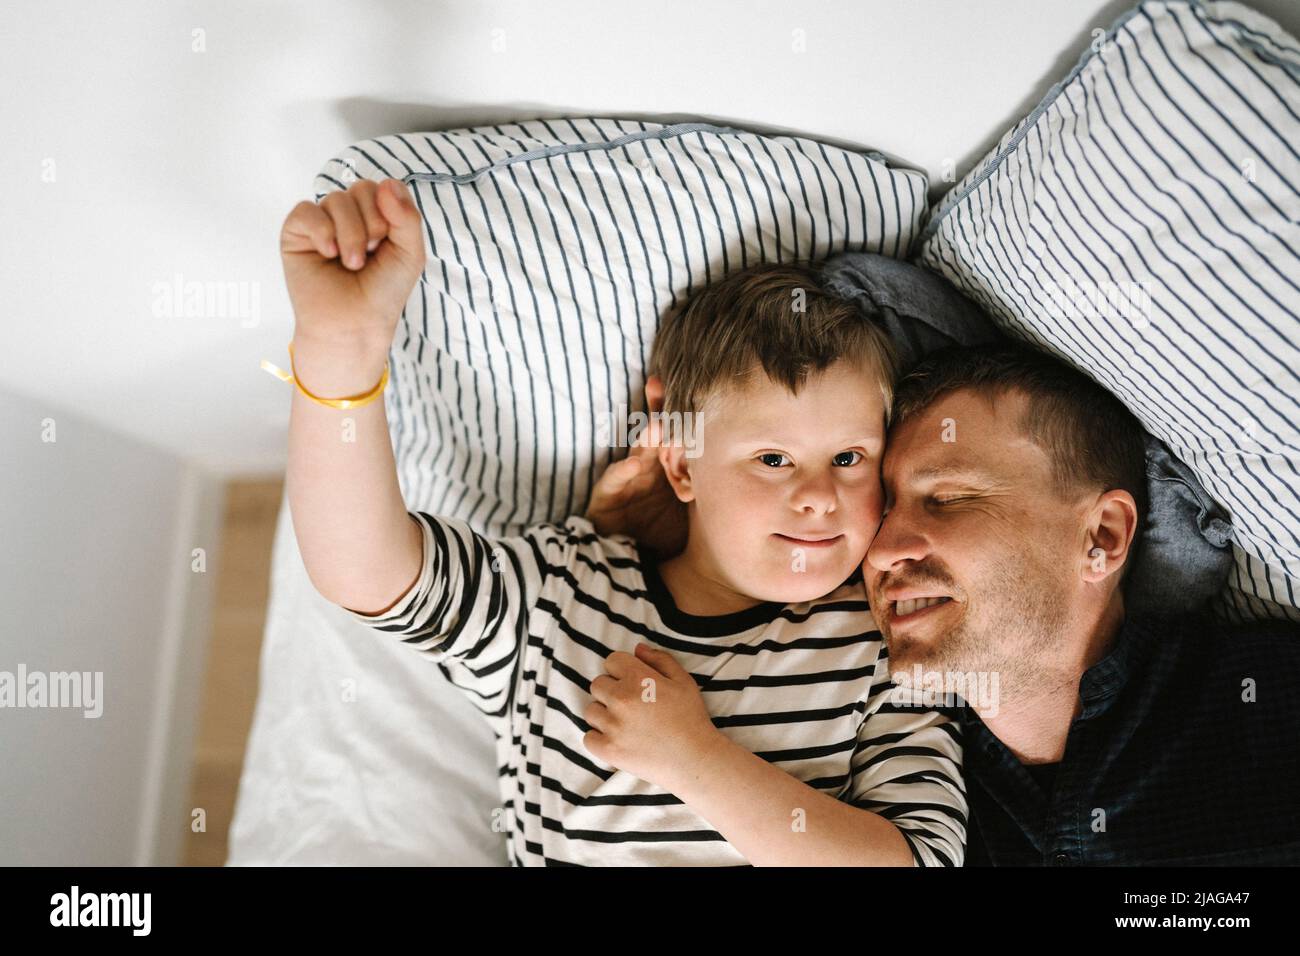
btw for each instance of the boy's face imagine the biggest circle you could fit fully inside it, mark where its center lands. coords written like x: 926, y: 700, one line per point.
x: 785, y: 493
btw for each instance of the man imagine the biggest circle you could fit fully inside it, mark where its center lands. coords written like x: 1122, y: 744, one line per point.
x: 1015, y: 494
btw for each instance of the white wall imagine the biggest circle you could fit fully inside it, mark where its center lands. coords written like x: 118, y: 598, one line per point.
x: 95, y: 576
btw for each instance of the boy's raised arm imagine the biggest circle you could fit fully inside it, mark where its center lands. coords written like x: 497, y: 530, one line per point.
x: 358, y: 542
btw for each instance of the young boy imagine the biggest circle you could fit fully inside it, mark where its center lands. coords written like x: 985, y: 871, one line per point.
x: 729, y: 705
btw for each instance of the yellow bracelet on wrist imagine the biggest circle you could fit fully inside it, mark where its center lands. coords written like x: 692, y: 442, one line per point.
x: 354, y: 401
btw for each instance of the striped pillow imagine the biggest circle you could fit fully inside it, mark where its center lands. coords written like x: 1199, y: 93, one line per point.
x: 554, y: 248
x: 1141, y: 223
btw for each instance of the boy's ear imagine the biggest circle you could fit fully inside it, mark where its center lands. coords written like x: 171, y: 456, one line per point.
x: 676, y: 469
x: 654, y: 393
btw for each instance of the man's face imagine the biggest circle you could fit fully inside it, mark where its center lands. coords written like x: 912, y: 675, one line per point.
x: 787, y: 488
x: 974, y: 567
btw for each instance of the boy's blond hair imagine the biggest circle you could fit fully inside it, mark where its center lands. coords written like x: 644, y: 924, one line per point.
x: 774, y: 316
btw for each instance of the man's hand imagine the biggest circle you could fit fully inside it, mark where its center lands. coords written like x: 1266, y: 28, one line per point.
x: 648, y: 718
x: 633, y: 496
x: 351, y: 262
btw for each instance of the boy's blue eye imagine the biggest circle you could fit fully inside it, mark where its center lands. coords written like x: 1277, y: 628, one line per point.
x: 772, y: 459
x: 850, y: 455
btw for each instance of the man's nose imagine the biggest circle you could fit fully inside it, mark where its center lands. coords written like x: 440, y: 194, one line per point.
x: 896, y: 542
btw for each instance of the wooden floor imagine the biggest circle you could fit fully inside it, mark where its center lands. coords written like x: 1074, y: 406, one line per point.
x: 230, y: 683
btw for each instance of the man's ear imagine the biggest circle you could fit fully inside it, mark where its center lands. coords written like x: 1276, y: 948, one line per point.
x: 1112, y: 527
x: 677, y: 470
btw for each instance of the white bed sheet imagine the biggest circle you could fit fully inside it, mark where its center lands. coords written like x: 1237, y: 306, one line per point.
x: 335, y: 766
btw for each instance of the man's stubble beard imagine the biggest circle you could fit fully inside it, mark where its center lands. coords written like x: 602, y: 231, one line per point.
x: 1014, y: 635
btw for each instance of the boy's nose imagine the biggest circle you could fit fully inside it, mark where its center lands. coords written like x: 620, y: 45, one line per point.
x: 815, y: 495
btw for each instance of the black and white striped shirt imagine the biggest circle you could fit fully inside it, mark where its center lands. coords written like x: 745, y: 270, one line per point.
x: 524, y: 624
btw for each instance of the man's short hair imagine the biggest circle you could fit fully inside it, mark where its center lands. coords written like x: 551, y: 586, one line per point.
x: 773, y: 316
x: 1091, y: 438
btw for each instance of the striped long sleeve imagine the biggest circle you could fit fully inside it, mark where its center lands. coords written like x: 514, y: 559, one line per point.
x: 524, y: 624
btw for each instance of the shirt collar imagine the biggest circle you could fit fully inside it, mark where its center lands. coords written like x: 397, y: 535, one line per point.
x: 1099, y: 687
x: 1103, y: 681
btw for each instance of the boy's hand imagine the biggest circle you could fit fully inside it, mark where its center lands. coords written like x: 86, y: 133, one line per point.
x: 633, y: 496
x: 648, y: 718
x: 339, y: 294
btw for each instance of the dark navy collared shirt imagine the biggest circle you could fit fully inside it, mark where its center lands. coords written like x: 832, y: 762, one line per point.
x: 1186, y: 752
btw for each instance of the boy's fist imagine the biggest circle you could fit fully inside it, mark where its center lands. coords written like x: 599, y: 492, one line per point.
x: 351, y: 262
